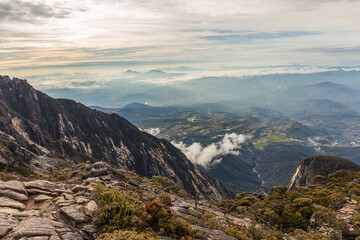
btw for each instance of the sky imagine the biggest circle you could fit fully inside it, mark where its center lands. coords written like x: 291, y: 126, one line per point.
x: 86, y: 37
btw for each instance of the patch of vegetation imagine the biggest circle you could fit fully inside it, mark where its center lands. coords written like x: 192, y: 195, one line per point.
x: 6, y: 176
x: 270, y: 139
x: 165, y: 184
x: 59, y: 175
x: 120, y: 211
x: 295, y: 212
x: 126, y: 235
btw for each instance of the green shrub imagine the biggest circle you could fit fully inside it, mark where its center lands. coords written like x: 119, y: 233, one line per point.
x: 301, y: 234
x: 176, y: 226
x: 281, y: 190
x: 165, y: 199
x: 163, y: 183
x: 127, y: 235
x: 119, y: 210
x: 234, y: 232
x: 59, y: 175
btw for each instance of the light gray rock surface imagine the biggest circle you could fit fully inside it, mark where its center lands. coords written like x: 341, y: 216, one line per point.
x: 74, y: 212
x: 41, y: 198
x: 65, y: 211
x: 11, y: 203
x: 91, y: 208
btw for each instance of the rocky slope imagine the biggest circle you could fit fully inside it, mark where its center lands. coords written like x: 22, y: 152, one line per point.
x: 64, y: 205
x: 43, y: 209
x: 319, y: 165
x: 43, y: 133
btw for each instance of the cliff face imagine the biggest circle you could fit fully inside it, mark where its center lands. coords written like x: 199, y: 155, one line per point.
x: 319, y: 165
x: 39, y: 131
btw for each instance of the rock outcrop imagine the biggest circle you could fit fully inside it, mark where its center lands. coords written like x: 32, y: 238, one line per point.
x: 42, y: 133
x: 319, y: 165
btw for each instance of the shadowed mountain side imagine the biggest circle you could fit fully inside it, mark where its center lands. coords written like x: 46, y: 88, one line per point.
x: 39, y: 126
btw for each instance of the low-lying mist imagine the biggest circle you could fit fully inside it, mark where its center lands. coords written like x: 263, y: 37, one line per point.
x: 206, y: 156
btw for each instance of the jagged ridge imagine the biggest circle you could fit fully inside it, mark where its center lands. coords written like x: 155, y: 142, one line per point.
x: 36, y: 129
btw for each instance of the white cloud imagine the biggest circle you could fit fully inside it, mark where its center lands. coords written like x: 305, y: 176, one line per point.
x: 180, y: 30
x: 153, y: 131
x: 211, y: 154
x: 244, y: 72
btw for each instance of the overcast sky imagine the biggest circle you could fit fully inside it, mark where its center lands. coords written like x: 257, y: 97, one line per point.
x: 89, y: 33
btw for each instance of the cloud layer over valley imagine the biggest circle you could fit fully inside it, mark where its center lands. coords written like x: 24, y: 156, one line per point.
x: 211, y: 154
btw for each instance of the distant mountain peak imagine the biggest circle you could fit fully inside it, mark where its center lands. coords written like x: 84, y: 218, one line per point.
x: 156, y: 71
x: 329, y: 84
x: 131, y: 72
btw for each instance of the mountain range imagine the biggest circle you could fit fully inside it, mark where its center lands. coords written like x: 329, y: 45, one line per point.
x: 40, y: 133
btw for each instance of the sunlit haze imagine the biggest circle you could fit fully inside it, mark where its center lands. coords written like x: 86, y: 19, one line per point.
x: 196, y: 38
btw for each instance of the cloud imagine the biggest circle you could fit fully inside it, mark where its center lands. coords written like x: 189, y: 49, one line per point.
x: 75, y: 80
x: 211, y: 154
x: 248, y: 37
x: 101, y: 79
x: 153, y: 131
x: 27, y: 11
x: 217, y: 32
x: 332, y: 49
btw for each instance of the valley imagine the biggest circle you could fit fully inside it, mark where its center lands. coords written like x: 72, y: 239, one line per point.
x: 280, y: 136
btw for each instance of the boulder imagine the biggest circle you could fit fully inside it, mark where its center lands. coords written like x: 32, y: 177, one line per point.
x: 13, y: 194
x: 42, y: 198
x: 68, y: 196
x: 42, y: 185
x: 81, y: 200
x: 91, y: 208
x: 79, y: 188
x: 101, y: 165
x: 8, y: 202
x: 75, y: 213
x: 34, y: 227
x: 98, y: 172
x: 39, y: 191
x: 65, y: 203
x: 15, y: 186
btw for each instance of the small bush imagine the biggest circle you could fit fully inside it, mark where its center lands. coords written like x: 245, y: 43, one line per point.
x: 127, y: 235
x: 5, y: 176
x: 163, y: 182
x: 157, y: 212
x: 234, y: 232
x: 119, y: 210
x: 186, y: 238
x: 176, y: 226
x: 59, y: 175
x: 165, y: 199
